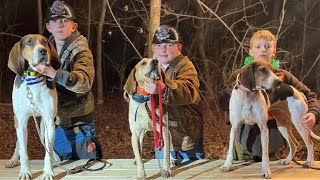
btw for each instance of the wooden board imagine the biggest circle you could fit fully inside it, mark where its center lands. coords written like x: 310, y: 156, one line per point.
x: 202, y: 169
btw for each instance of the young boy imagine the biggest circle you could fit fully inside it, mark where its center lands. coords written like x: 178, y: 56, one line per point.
x: 263, y: 47
x: 74, y: 78
x: 180, y: 100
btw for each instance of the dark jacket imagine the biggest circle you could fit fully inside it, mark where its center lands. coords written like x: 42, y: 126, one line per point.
x: 182, y: 98
x: 75, y: 79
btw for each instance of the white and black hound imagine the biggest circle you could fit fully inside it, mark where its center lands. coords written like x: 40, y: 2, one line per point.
x: 249, y: 104
x: 33, y: 95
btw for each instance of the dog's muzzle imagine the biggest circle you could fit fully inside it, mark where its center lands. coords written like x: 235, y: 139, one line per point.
x: 154, y: 70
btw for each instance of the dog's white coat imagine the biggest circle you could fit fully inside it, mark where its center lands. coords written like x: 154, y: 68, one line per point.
x: 44, y: 104
x: 141, y: 123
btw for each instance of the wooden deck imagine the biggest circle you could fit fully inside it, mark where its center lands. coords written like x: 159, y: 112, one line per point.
x: 202, y: 169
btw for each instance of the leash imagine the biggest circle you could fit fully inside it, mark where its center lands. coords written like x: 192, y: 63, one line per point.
x: 34, y: 108
x: 158, y: 140
x: 305, y: 166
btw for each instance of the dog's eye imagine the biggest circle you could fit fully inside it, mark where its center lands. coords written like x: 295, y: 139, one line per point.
x: 45, y: 42
x: 263, y: 70
x: 29, y: 42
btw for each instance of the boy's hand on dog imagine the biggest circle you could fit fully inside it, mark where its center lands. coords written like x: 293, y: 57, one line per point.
x: 150, y: 85
x: 46, y: 70
x: 309, y: 120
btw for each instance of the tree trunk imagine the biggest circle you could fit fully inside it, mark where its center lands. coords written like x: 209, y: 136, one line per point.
x: 99, y: 76
x: 89, y: 20
x: 40, y: 25
x: 154, y: 23
x: 201, y: 36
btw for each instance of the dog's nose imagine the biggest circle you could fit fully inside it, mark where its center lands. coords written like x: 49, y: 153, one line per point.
x: 277, y: 83
x: 43, y: 51
x: 154, y: 62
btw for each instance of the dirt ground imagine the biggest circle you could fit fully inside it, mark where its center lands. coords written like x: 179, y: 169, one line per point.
x: 111, y: 123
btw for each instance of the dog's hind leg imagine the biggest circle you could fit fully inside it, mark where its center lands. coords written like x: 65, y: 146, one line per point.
x: 49, y: 132
x: 292, y: 142
x: 14, y: 161
x: 305, y: 134
x: 22, y: 135
x: 298, y: 109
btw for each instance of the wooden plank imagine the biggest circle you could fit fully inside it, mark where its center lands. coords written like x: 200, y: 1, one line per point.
x: 202, y: 169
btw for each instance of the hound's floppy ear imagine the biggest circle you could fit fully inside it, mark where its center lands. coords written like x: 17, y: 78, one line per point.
x: 55, y: 61
x: 247, y: 76
x: 16, y: 61
x: 131, y: 83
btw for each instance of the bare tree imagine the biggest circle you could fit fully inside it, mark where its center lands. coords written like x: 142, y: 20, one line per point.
x: 99, y: 76
x: 154, y: 22
x: 40, y: 25
x: 89, y: 20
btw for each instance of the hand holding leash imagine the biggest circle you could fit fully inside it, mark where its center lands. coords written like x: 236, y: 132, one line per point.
x: 309, y: 120
x: 151, y: 87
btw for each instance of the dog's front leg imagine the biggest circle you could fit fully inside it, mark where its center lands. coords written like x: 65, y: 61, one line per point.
x: 137, y: 153
x: 49, y: 135
x: 228, y: 162
x: 266, y: 172
x: 22, y: 136
x: 167, y: 157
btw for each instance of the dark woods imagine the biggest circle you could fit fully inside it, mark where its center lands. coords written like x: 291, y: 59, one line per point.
x: 215, y: 35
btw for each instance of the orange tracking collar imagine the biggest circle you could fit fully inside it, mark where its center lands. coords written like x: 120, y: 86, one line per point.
x: 141, y: 91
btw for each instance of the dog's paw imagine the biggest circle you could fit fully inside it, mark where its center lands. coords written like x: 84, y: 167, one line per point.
x: 134, y: 162
x: 172, y: 163
x: 224, y: 169
x: 267, y: 175
x: 25, y: 174
x: 12, y: 163
x: 307, y: 164
x: 48, y: 175
x: 56, y: 157
x: 165, y: 173
x: 284, y: 161
x: 141, y: 175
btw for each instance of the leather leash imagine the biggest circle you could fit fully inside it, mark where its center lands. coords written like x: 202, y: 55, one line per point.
x: 158, y: 141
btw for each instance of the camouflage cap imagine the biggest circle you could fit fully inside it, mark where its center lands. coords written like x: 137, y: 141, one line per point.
x: 166, y: 34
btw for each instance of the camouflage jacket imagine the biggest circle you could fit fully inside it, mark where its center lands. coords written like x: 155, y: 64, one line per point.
x: 74, y: 78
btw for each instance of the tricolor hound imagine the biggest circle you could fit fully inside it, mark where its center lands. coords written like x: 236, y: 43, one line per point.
x: 33, y: 95
x: 139, y: 119
x: 249, y: 104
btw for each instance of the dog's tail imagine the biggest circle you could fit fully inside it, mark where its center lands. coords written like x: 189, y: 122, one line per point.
x: 314, y: 136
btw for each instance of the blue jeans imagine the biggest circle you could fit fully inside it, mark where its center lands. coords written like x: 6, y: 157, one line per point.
x: 66, y: 140
x: 193, y: 154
